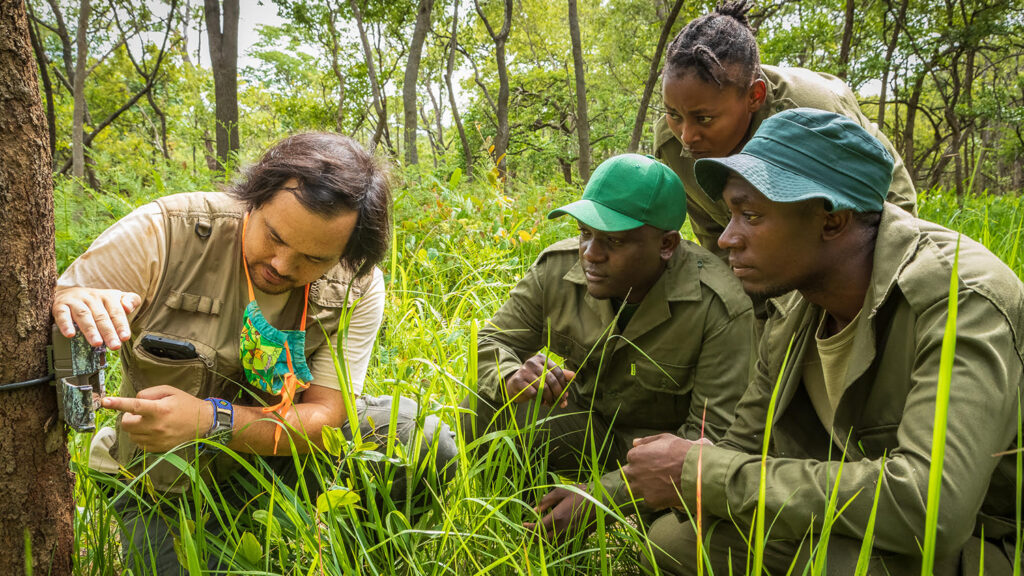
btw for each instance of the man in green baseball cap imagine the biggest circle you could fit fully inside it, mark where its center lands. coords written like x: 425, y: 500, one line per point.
x: 651, y: 332
x: 859, y: 299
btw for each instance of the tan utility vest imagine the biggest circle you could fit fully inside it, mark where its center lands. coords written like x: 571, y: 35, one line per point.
x: 200, y: 299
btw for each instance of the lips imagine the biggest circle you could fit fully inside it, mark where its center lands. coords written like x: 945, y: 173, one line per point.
x: 593, y: 276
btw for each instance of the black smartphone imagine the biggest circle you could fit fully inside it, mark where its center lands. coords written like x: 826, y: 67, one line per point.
x: 168, y: 348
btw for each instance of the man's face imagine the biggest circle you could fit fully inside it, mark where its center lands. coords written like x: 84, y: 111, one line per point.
x: 288, y: 246
x: 774, y: 247
x: 617, y: 264
x: 711, y: 121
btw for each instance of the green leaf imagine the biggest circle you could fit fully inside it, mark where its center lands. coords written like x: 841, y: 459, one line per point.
x: 336, y: 499
x: 455, y: 179
x: 272, y: 523
x: 334, y: 440
x: 250, y: 548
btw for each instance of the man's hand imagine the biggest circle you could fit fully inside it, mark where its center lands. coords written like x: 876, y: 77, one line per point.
x: 539, y: 375
x: 655, y: 464
x: 101, y: 314
x: 162, y: 417
x: 568, y: 513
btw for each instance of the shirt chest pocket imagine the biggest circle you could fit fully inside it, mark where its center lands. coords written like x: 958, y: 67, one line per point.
x: 654, y: 394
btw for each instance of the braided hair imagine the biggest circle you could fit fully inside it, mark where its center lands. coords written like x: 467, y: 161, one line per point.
x: 719, y: 47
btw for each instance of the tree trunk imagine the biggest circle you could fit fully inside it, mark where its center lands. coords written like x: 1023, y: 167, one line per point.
x: 889, y: 51
x: 652, y: 77
x: 412, y: 70
x: 908, y: 128
x: 36, y: 500
x: 371, y: 72
x: 44, y: 74
x: 582, y: 121
x: 223, y: 39
x: 502, y: 134
x: 844, y: 49
x: 466, y: 152
x: 78, y: 121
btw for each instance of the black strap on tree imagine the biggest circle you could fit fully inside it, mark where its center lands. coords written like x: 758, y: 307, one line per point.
x: 26, y: 383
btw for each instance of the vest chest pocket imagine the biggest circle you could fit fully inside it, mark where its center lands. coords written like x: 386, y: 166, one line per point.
x: 149, y: 367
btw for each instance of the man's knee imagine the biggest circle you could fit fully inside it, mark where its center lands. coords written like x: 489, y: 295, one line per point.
x: 427, y: 434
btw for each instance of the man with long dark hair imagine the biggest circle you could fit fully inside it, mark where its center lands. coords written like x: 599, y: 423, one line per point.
x: 229, y: 310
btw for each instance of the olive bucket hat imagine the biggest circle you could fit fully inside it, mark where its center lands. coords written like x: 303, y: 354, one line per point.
x: 628, y: 191
x: 805, y: 153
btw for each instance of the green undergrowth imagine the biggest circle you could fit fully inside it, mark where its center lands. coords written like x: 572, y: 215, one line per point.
x: 458, y: 247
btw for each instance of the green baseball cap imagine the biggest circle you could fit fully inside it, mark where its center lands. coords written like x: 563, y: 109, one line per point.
x: 628, y: 191
x: 804, y: 153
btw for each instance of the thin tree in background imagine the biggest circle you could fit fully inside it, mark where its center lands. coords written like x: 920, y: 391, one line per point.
x: 500, y: 38
x: 36, y: 501
x: 456, y: 116
x: 222, y: 32
x: 78, y: 118
x: 379, y: 101
x: 652, y: 77
x: 582, y: 121
x: 412, y: 69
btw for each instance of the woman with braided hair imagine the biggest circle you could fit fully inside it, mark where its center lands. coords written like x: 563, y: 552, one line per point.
x: 716, y: 93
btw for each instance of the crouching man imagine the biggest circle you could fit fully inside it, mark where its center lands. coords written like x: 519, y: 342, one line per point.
x: 655, y: 334
x: 225, y: 308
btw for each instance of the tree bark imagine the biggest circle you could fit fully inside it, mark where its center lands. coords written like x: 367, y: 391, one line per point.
x: 889, y: 51
x: 36, y: 500
x: 466, y: 152
x: 44, y: 74
x: 844, y: 48
x: 412, y: 70
x: 582, y: 120
x: 78, y: 121
x: 502, y: 134
x: 223, y: 40
x: 652, y: 77
x: 371, y: 72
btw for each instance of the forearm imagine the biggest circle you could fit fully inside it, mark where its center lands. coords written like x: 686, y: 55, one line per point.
x: 254, y: 429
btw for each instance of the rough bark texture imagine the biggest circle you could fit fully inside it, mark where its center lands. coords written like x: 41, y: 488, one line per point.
x: 412, y: 71
x: 582, y: 119
x: 223, y: 38
x: 652, y: 77
x: 37, y: 485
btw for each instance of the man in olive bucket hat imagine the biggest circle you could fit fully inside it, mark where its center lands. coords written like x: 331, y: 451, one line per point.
x: 653, y: 333
x: 859, y: 298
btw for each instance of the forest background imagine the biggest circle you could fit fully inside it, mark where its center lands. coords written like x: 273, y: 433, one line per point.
x: 492, y: 113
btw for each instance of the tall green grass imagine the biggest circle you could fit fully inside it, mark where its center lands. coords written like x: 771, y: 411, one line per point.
x: 458, y: 247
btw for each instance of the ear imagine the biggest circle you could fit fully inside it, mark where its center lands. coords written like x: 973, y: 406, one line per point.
x: 669, y: 242
x: 756, y: 95
x: 836, y: 224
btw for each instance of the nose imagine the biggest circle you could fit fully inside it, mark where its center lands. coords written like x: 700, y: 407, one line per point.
x: 730, y: 238
x: 592, y: 251
x: 282, y: 263
x: 689, y: 133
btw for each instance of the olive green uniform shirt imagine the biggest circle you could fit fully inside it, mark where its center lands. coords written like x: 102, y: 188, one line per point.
x: 687, y: 345
x: 786, y: 88
x: 888, y: 406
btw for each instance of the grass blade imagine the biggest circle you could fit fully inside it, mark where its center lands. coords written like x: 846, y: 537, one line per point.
x: 939, y: 432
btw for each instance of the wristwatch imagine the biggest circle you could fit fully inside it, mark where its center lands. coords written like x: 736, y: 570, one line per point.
x: 223, y: 422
